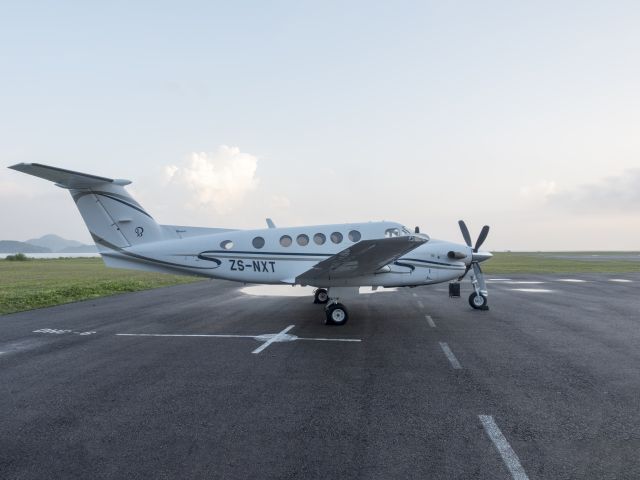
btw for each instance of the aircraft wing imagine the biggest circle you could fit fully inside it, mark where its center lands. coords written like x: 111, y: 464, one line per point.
x: 363, y: 258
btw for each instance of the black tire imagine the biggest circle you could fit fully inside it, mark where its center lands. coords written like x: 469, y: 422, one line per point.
x: 478, y: 301
x: 321, y: 296
x: 336, y: 314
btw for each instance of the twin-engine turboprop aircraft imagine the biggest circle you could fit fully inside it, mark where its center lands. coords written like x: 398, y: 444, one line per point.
x: 336, y: 259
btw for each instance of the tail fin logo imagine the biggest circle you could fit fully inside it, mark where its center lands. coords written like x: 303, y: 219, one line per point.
x: 139, y: 231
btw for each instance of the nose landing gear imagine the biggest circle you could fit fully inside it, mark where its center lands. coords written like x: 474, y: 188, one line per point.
x: 478, y: 301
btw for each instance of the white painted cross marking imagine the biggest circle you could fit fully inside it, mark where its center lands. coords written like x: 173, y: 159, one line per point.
x: 420, y: 304
x: 509, y: 457
x: 430, y: 321
x: 450, y: 356
x: 276, y: 338
x: 268, y: 338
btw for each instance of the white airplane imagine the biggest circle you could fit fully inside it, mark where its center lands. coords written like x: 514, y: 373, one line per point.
x: 336, y: 259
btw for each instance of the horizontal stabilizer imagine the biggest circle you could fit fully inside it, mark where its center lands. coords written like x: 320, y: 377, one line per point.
x: 65, y: 178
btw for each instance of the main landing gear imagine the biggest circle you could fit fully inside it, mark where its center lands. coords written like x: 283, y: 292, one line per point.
x: 335, y: 312
x: 321, y: 296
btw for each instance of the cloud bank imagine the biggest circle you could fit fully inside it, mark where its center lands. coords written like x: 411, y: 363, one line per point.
x: 217, y: 181
x: 615, y: 194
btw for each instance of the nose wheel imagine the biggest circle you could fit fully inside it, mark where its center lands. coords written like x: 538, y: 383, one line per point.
x: 478, y: 301
x: 336, y: 314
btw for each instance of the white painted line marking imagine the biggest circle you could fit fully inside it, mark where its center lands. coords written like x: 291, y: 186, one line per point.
x: 420, y: 304
x: 430, y: 321
x: 509, y: 457
x: 414, y: 294
x: 275, y: 338
x: 498, y: 279
x: 330, y: 339
x: 572, y: 280
x: 60, y: 332
x: 452, y: 358
x: 525, y: 282
x: 620, y: 280
x: 180, y: 335
x: 531, y: 290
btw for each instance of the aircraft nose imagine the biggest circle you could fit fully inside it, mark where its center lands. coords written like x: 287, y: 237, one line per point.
x: 481, y: 256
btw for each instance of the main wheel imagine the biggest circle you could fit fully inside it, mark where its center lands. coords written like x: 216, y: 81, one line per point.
x: 478, y: 301
x: 336, y: 314
x: 321, y: 296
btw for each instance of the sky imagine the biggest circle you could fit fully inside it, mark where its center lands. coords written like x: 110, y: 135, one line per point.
x: 521, y: 115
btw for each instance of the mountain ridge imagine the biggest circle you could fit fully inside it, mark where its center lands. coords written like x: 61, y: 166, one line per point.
x: 49, y: 243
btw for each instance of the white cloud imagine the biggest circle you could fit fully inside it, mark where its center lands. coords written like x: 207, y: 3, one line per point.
x: 279, y: 202
x: 216, y: 181
x: 540, y: 189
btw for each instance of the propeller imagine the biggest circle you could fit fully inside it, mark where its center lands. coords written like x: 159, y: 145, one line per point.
x: 476, y: 259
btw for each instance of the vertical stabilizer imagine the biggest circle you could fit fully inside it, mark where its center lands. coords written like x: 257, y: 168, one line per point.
x: 113, y: 217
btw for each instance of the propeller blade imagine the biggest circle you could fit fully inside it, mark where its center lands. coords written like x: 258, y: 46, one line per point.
x: 465, y: 273
x: 465, y: 232
x: 481, y: 238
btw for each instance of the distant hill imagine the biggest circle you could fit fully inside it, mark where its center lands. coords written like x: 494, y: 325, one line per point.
x: 46, y: 244
x: 12, y: 246
x: 54, y: 243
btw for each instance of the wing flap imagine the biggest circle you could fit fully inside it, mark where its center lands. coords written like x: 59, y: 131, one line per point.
x: 363, y: 258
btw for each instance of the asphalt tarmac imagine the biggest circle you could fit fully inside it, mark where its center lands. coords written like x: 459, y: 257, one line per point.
x: 545, y: 385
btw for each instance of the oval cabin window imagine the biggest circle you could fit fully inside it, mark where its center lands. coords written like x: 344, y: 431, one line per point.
x: 227, y: 244
x: 302, y: 240
x: 319, y: 238
x: 258, y: 242
x: 285, y: 241
x: 336, y: 237
x: 354, y: 236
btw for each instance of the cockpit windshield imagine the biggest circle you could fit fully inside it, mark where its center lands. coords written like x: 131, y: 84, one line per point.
x: 397, y: 232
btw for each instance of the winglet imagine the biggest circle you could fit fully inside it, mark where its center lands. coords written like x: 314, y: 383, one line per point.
x: 65, y: 178
x: 270, y: 223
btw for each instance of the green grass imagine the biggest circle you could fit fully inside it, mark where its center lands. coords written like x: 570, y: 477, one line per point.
x: 502, y: 263
x: 37, y: 283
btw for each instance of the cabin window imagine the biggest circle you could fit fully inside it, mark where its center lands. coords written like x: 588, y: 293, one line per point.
x: 258, y: 242
x: 336, y: 237
x: 302, y: 240
x: 227, y: 244
x: 285, y: 241
x: 319, y: 238
x: 392, y: 232
x: 354, y: 236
